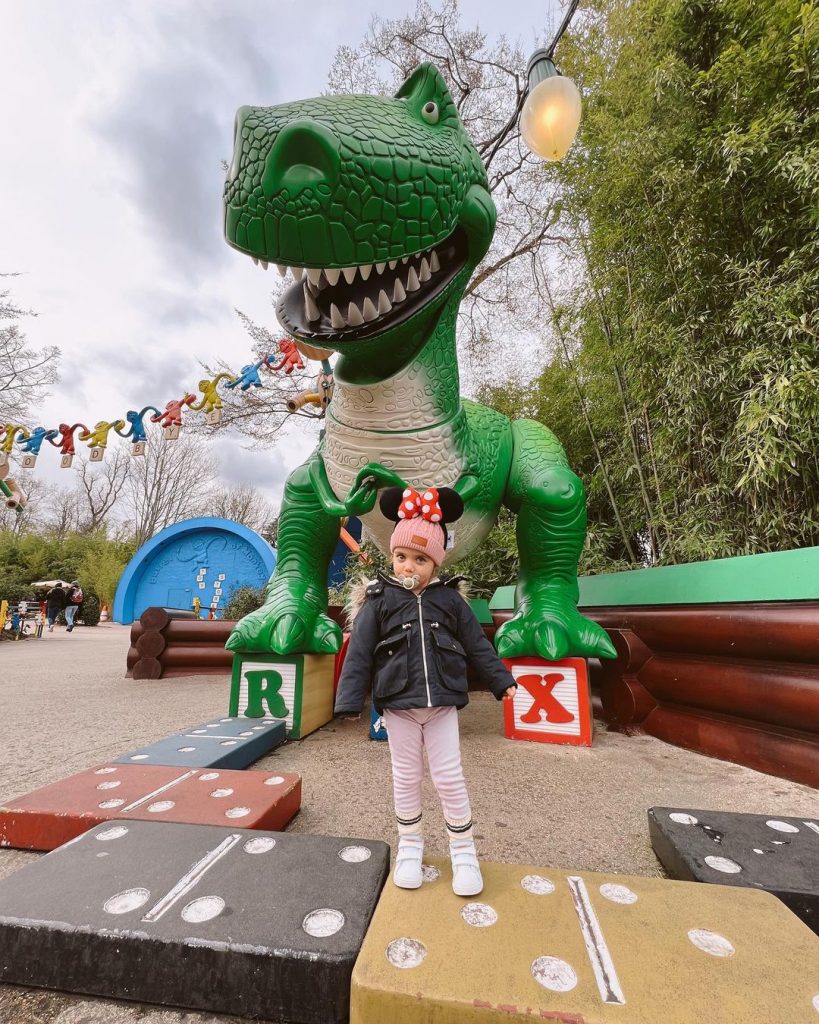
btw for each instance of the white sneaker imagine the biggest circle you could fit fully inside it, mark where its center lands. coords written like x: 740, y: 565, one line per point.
x: 466, y: 872
x: 51, y: 629
x: 408, y: 870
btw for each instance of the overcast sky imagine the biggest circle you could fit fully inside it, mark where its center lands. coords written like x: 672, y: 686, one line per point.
x: 114, y: 117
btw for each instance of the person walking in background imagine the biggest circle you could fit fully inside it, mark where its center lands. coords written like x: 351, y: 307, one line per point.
x: 73, y: 602
x: 56, y: 600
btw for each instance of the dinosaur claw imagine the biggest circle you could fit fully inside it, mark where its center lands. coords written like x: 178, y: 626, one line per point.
x: 288, y: 634
x: 551, y: 642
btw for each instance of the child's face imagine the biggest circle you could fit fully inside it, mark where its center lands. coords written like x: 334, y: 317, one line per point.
x: 408, y: 562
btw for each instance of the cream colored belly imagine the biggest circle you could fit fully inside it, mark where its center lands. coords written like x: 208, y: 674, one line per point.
x: 422, y: 458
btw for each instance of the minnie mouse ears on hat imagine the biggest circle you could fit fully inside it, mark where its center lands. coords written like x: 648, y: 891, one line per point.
x: 440, y: 505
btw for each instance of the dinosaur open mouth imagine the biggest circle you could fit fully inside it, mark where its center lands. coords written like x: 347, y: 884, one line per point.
x: 358, y: 302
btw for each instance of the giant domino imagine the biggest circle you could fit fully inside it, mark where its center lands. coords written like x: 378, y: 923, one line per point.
x: 763, y: 851
x: 544, y: 944
x: 220, y: 919
x: 52, y: 815
x: 221, y: 743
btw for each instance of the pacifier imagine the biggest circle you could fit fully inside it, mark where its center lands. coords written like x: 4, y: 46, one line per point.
x: 410, y: 582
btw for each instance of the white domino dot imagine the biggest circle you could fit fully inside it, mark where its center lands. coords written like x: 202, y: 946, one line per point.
x: 724, y: 864
x: 160, y: 806
x: 553, y: 973
x: 104, y: 771
x: 261, y: 844
x: 355, y: 854
x: 406, y: 953
x: 139, y: 757
x: 126, y: 901
x: 222, y: 792
x: 479, y: 915
x: 618, y: 893
x: 112, y: 833
x: 106, y: 805
x: 537, y: 885
x: 109, y: 785
x: 205, y: 908
x: 711, y: 942
x: 274, y: 780
x: 430, y: 873
x: 228, y: 743
x: 324, y: 922
x: 186, y: 750
x: 237, y: 812
x: 209, y: 776
x: 683, y: 819
x: 782, y: 826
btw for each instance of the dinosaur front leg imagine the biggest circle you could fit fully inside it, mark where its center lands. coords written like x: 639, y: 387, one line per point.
x: 294, y: 617
x: 551, y: 527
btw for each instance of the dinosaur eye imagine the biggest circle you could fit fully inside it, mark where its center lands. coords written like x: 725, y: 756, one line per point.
x: 429, y: 112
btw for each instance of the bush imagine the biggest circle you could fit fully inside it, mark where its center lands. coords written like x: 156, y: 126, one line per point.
x: 89, y: 613
x: 243, y: 601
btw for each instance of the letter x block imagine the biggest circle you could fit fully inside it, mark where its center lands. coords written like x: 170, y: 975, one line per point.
x: 261, y: 924
x: 295, y: 687
x: 551, y: 704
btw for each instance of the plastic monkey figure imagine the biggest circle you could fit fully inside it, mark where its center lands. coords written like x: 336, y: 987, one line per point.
x: 66, y: 433
x: 136, y: 428
x: 172, y: 416
x: 32, y: 444
x: 249, y: 376
x: 10, y: 434
x: 98, y: 437
x: 210, y: 396
x: 292, y: 357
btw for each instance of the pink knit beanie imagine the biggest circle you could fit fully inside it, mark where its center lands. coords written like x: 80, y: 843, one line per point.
x: 419, y: 535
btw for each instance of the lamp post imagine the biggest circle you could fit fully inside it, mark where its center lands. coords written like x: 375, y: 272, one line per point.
x: 551, y: 109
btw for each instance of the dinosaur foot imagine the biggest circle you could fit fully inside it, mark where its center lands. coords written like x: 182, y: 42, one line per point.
x: 552, y: 629
x: 286, y: 624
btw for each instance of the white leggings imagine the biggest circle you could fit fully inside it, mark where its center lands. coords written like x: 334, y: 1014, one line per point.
x: 437, y: 730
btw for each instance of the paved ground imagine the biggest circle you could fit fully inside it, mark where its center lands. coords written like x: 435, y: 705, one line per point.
x: 66, y: 706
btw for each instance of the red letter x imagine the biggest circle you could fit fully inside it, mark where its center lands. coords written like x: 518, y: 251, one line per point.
x: 540, y: 688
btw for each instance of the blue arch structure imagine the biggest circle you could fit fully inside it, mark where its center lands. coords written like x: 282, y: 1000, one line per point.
x: 186, y: 560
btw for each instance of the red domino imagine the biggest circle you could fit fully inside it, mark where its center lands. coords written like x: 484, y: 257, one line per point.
x: 552, y: 702
x: 51, y: 816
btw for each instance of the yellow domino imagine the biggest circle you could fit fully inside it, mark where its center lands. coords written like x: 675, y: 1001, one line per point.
x: 542, y: 944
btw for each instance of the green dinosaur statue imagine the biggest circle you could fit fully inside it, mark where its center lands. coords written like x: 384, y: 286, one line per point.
x: 380, y: 209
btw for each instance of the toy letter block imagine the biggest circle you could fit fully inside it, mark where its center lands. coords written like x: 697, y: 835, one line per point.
x: 215, y: 417
x: 552, y: 702
x: 28, y: 461
x: 780, y: 855
x: 171, y: 433
x: 138, y: 448
x: 65, y: 461
x: 223, y: 743
x: 541, y: 944
x: 261, y: 924
x: 295, y: 687
x: 51, y: 816
x: 97, y: 455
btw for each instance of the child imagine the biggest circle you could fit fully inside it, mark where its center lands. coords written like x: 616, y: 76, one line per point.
x: 414, y: 638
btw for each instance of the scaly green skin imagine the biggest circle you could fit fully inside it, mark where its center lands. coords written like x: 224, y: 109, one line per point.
x: 348, y: 181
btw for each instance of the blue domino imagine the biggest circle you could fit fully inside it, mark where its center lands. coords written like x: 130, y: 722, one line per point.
x: 222, y: 743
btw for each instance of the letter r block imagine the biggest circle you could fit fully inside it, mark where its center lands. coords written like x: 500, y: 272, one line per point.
x: 297, y: 688
x: 551, y: 704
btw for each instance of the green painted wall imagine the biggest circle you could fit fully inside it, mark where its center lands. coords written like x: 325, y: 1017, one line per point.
x: 776, y: 576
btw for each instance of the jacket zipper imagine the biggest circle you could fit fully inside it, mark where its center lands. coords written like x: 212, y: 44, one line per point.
x: 424, y: 652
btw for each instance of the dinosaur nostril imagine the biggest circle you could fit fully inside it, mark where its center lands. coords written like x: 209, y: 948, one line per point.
x: 304, y: 155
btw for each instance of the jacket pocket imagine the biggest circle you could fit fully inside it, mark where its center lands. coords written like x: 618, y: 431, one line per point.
x: 391, y: 665
x: 451, y: 658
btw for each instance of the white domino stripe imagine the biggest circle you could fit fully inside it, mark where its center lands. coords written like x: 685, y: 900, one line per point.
x: 162, y: 789
x: 191, y: 878
x: 812, y: 826
x: 605, y: 974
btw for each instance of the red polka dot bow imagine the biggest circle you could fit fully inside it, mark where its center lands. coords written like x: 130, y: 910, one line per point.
x: 424, y: 505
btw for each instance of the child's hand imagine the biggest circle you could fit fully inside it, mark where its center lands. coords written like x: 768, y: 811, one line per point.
x: 510, y: 692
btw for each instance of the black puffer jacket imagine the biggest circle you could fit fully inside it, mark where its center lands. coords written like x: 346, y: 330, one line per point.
x: 415, y: 650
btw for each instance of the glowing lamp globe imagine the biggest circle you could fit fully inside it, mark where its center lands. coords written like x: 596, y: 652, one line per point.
x: 551, y: 114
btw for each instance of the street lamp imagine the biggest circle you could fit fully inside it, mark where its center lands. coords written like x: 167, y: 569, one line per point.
x: 551, y: 111
x: 551, y: 108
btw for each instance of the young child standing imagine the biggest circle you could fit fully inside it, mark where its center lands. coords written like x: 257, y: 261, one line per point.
x: 413, y: 639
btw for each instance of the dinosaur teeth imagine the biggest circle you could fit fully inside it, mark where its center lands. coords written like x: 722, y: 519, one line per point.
x: 354, y: 317
x: 282, y: 269
x: 413, y: 284
x: 398, y: 293
x: 384, y: 304
x: 310, y: 308
x: 332, y: 276
x: 256, y: 262
x: 405, y: 260
x: 349, y: 274
x: 424, y: 273
x: 264, y: 264
x: 434, y: 262
x: 392, y: 264
x: 369, y: 311
x: 336, y: 319
x: 365, y: 271
x: 314, y: 274
x: 298, y: 273
x: 379, y: 268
